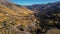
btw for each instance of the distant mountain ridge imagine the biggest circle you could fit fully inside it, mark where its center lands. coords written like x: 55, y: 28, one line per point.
x: 44, y: 7
x: 38, y: 19
x: 48, y: 15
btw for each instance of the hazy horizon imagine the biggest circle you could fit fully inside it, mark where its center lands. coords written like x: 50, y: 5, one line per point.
x: 30, y: 2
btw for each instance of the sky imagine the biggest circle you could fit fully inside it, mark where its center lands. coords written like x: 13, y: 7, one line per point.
x: 30, y: 2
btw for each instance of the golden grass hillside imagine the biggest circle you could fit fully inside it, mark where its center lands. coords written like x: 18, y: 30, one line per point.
x: 14, y: 19
x: 20, y: 10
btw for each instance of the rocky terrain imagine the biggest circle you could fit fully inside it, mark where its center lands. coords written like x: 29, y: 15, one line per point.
x: 35, y: 19
x: 16, y: 19
x: 48, y: 15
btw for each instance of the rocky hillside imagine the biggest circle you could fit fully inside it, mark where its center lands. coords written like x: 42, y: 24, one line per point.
x: 16, y: 19
x: 48, y: 15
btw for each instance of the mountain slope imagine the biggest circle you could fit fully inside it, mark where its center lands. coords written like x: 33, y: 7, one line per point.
x: 17, y: 9
x: 45, y: 7
x: 48, y: 15
x: 7, y: 10
x: 15, y: 20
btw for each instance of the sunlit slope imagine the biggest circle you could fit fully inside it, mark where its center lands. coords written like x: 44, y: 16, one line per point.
x: 20, y: 10
x: 12, y: 17
x: 7, y: 10
x: 7, y: 23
